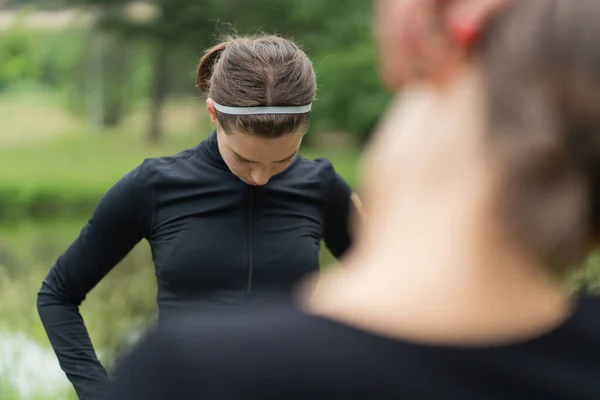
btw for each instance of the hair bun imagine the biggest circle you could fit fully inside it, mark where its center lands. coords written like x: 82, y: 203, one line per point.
x: 207, y: 65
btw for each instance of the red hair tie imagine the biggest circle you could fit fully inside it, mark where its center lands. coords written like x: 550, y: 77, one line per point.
x: 463, y: 33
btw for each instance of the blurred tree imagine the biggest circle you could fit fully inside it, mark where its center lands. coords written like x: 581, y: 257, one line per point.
x: 354, y: 98
x: 351, y: 96
x: 323, y: 28
x: 116, y: 65
x: 166, y: 26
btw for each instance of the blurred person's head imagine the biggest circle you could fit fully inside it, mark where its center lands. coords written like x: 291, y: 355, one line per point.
x: 503, y: 150
x: 258, y: 72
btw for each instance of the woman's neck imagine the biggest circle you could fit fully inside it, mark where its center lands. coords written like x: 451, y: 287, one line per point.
x: 438, y: 288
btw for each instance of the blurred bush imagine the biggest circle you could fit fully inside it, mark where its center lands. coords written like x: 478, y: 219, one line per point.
x: 587, y: 281
x: 351, y: 98
x: 17, y: 52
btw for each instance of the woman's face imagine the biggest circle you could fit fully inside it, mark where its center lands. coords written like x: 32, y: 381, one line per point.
x: 255, y: 160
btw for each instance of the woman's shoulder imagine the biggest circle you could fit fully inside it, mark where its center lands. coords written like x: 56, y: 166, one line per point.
x: 168, y: 162
x: 182, y: 165
x: 320, y: 168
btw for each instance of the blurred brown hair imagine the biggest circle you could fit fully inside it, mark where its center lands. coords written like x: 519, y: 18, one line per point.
x: 542, y: 64
x: 258, y: 71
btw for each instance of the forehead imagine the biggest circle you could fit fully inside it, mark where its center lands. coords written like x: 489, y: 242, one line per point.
x: 263, y: 150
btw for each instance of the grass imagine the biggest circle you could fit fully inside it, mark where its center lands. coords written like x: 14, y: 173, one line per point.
x: 92, y: 161
x: 27, y: 118
x: 55, y: 168
x: 69, y: 174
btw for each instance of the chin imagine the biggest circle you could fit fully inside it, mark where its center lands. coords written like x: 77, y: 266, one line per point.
x: 246, y: 181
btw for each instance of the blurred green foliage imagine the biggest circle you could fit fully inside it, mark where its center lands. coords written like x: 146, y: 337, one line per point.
x: 350, y: 97
x: 122, y: 62
x: 17, y: 49
x: 38, y: 59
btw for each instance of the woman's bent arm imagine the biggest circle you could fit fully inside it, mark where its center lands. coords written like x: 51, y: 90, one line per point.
x: 122, y: 218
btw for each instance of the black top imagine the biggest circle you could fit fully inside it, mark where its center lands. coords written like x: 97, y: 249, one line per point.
x: 215, y: 241
x: 286, y: 354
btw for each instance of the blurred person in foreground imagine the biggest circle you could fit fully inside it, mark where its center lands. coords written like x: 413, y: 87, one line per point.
x: 482, y: 191
x: 238, y: 216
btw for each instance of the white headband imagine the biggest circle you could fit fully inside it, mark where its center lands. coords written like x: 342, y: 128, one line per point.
x: 263, y: 110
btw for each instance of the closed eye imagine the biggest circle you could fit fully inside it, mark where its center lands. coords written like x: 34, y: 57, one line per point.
x: 241, y: 160
x: 285, y: 161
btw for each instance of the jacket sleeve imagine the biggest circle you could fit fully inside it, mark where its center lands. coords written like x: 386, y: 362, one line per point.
x: 341, y: 204
x: 121, y: 219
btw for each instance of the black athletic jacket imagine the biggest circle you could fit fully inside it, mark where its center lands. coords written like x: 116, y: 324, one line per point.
x: 215, y: 242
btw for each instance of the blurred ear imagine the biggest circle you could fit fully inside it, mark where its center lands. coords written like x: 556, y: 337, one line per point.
x: 413, y: 42
x: 389, y: 36
x: 463, y: 24
x: 210, y: 106
x: 441, y: 74
x: 427, y: 40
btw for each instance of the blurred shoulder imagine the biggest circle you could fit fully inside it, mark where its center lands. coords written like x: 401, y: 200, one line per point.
x: 267, y: 335
x: 156, y: 164
x: 274, y: 351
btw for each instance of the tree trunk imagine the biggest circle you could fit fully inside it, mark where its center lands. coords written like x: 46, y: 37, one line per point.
x: 158, y: 94
x: 116, y: 97
x: 94, y: 82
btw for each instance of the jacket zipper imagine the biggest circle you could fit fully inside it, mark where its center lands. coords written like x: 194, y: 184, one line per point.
x: 250, y: 255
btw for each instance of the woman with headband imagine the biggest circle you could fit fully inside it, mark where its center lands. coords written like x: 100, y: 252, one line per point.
x: 453, y: 287
x: 235, y: 217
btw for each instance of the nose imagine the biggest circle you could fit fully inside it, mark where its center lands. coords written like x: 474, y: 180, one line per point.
x: 260, y: 177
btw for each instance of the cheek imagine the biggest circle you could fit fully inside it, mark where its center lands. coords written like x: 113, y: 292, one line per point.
x: 238, y: 169
x: 235, y: 167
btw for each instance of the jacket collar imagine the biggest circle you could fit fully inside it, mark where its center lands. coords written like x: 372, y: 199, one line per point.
x: 210, y: 147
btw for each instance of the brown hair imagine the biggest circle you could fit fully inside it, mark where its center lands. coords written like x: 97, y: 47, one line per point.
x: 258, y: 71
x: 542, y: 66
